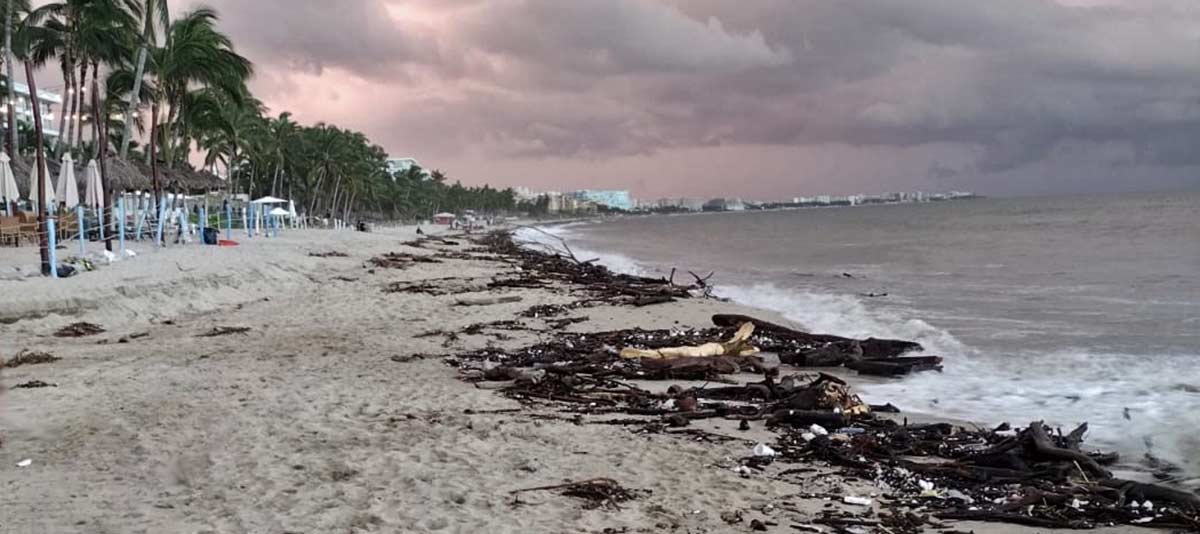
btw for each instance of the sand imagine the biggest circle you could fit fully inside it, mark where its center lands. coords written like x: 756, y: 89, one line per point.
x: 322, y: 418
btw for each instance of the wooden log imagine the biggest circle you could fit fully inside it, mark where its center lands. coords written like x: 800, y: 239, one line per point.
x: 487, y: 301
x: 871, y: 347
x: 896, y: 366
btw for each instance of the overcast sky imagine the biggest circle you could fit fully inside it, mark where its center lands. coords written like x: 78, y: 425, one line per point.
x: 751, y: 98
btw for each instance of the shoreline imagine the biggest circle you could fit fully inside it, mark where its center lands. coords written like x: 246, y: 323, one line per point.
x: 325, y: 416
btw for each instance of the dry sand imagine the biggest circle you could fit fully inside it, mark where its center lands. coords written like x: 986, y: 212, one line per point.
x: 319, y: 419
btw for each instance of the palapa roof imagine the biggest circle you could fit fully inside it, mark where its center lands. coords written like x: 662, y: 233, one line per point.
x: 123, y: 175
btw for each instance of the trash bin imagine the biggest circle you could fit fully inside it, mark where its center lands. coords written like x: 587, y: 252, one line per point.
x: 211, y: 236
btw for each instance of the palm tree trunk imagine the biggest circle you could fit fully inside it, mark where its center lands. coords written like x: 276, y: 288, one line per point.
x: 96, y: 112
x: 83, y: 76
x: 153, y: 155
x: 62, y: 113
x: 102, y: 151
x: 133, y: 100
x: 14, y: 144
x: 69, y: 108
x: 43, y: 234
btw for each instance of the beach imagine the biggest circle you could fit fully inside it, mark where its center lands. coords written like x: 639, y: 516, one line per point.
x: 334, y: 411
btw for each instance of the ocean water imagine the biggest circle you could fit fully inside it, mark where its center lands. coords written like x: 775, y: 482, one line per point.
x: 1066, y: 309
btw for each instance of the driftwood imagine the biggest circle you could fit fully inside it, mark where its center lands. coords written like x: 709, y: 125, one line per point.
x: 490, y: 301
x: 224, y: 331
x: 1040, y: 445
x: 894, y: 367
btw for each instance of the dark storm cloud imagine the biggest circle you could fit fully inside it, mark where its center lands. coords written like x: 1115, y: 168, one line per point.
x: 1008, y: 81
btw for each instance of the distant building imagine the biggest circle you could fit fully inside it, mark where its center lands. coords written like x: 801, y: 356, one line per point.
x: 725, y: 204
x: 620, y: 200
x: 402, y: 165
x: 49, y: 101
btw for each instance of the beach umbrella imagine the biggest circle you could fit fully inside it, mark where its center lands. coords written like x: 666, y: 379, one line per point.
x: 95, y: 190
x: 292, y: 209
x: 48, y: 194
x: 68, y: 189
x: 268, y: 200
x: 8, y: 182
x: 278, y: 212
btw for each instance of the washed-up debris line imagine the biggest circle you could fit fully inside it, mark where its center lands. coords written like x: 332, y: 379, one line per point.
x: 79, y: 330
x: 27, y: 357
x: 541, y: 268
x: 329, y: 254
x: 35, y: 384
x: 400, y: 260
x: 927, y: 474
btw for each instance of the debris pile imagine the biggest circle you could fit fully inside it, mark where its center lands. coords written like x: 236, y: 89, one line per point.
x: 329, y: 254
x: 79, y: 330
x: 598, y: 492
x: 540, y: 268
x: 927, y: 474
x: 224, y: 331
x: 400, y: 260
x: 1031, y: 477
x: 27, y: 357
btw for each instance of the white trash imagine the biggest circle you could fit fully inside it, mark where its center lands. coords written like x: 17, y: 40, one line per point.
x: 808, y: 436
x: 25, y: 463
x: 858, y: 501
x: 762, y: 450
x: 818, y: 430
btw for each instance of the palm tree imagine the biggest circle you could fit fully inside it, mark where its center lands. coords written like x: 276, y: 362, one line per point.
x: 26, y: 40
x: 152, y: 10
x: 194, y: 55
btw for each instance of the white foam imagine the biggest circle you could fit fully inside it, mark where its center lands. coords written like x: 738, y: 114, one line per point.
x: 617, y: 263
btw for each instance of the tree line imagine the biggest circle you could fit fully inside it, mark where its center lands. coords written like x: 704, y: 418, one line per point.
x: 132, y: 70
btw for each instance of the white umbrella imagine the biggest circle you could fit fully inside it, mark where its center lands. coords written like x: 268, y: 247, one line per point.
x: 48, y: 194
x: 95, y: 190
x: 268, y: 200
x: 8, y: 182
x: 278, y: 211
x: 292, y: 209
x: 68, y: 189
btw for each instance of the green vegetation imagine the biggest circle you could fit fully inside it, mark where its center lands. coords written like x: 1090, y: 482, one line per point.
x: 130, y: 69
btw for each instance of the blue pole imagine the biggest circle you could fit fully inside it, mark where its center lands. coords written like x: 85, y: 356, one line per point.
x: 100, y: 221
x: 53, y: 246
x: 82, y: 235
x: 228, y: 222
x: 203, y: 223
x: 121, y: 223
x: 141, y: 218
x: 162, y: 217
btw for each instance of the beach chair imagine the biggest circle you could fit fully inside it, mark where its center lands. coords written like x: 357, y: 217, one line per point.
x: 68, y: 226
x: 10, y: 231
x: 28, y: 229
